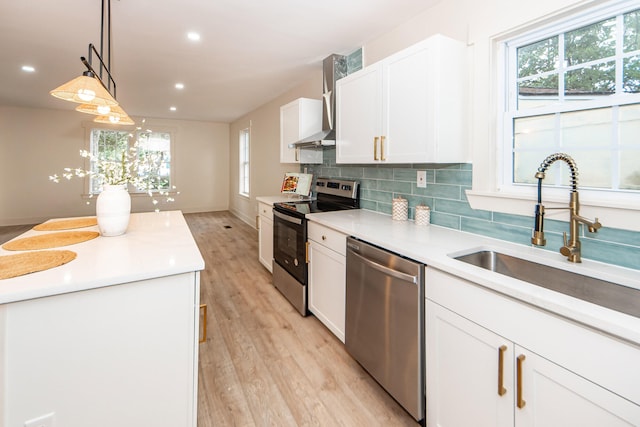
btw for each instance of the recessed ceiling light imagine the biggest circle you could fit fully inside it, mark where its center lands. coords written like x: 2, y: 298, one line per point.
x: 172, y: 108
x: 28, y: 69
x: 179, y: 85
x: 193, y: 36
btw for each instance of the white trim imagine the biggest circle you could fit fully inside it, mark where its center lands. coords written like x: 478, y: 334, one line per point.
x: 90, y: 125
x: 617, y: 209
x: 614, y: 215
x: 241, y: 165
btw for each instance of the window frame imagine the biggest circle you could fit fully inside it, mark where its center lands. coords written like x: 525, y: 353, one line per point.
x: 134, y: 192
x: 511, y: 111
x: 486, y: 136
x: 244, y: 162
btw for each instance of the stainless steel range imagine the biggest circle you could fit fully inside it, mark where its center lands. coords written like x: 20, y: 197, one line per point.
x: 290, y: 235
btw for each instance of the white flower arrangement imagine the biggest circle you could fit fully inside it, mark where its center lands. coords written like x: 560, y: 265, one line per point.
x: 138, y: 170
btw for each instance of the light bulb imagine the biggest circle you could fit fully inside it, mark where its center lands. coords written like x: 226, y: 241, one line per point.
x: 86, y: 94
x: 114, y: 119
x: 103, y: 109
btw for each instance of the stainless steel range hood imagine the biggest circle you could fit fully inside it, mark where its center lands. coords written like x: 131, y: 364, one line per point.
x: 334, y: 67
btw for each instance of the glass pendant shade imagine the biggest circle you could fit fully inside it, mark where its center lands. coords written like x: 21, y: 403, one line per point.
x: 116, y: 116
x: 85, y: 89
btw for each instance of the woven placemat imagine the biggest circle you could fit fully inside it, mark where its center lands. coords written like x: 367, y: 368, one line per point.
x: 50, y: 240
x: 31, y: 262
x: 66, y: 224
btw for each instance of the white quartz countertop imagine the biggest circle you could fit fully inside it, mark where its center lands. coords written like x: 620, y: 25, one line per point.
x: 433, y: 246
x: 156, y: 244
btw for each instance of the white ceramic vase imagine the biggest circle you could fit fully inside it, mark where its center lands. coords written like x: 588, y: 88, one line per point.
x: 113, y: 208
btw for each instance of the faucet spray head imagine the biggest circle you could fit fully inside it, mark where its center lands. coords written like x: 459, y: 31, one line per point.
x: 538, y: 233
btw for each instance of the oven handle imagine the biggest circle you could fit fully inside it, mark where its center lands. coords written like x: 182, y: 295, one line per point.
x: 287, y: 218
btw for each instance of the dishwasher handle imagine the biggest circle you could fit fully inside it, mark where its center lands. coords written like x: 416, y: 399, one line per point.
x: 386, y: 270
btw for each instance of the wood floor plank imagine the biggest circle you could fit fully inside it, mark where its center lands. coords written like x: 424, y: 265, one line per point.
x: 263, y: 364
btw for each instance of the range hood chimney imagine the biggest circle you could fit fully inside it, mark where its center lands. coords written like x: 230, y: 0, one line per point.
x: 334, y: 67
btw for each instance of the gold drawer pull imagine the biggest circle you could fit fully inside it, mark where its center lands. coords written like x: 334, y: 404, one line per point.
x: 203, y: 308
x: 375, y: 148
x: 520, y: 401
x: 501, y: 390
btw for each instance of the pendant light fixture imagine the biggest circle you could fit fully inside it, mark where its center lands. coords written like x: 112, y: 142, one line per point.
x: 116, y: 115
x: 89, y: 89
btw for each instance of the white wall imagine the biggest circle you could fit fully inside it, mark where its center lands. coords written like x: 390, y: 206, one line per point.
x: 266, y: 170
x: 36, y: 143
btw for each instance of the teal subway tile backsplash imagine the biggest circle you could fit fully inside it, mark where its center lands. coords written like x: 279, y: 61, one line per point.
x: 457, y: 177
x: 496, y: 230
x: 445, y: 195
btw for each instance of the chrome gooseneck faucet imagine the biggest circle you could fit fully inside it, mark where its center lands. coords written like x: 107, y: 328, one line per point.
x: 571, y: 248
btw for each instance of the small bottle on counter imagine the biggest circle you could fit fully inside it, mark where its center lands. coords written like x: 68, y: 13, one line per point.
x: 423, y: 215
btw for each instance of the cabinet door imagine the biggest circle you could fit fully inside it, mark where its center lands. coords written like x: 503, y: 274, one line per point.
x: 123, y: 355
x: 299, y: 119
x: 463, y: 372
x: 359, y: 115
x: 327, y: 271
x: 556, y: 397
x: 407, y: 96
x: 265, y: 241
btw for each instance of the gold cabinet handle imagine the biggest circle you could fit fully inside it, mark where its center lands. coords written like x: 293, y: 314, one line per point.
x: 203, y: 308
x: 306, y: 252
x: 520, y: 401
x: 382, y: 157
x: 501, y: 390
x: 375, y: 148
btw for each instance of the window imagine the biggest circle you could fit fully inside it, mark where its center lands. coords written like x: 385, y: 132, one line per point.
x: 244, y: 162
x: 575, y: 88
x: 149, y: 151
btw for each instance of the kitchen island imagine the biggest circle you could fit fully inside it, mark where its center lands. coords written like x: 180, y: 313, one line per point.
x: 109, y: 338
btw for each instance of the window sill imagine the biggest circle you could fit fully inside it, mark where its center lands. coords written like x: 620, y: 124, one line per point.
x: 610, y: 210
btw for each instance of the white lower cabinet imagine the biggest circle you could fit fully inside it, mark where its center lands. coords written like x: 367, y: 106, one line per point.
x: 265, y: 235
x: 123, y: 355
x: 492, y: 361
x: 462, y: 367
x: 327, y: 281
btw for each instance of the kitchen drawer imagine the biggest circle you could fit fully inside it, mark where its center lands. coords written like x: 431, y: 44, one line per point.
x: 265, y: 209
x: 328, y: 237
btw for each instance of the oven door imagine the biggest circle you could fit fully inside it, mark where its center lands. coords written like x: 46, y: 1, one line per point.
x: 289, y: 244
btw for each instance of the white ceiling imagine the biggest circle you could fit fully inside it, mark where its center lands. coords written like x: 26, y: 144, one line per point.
x: 250, y: 52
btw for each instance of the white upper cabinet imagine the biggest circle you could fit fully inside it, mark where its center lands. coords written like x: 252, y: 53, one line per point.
x: 407, y: 108
x: 299, y: 119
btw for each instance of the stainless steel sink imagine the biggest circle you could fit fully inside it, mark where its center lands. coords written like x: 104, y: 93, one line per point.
x: 600, y: 292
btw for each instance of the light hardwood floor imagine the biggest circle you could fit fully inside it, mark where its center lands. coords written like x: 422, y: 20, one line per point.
x: 263, y: 364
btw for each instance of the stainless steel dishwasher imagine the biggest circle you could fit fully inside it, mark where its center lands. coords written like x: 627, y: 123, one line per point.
x: 384, y: 328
